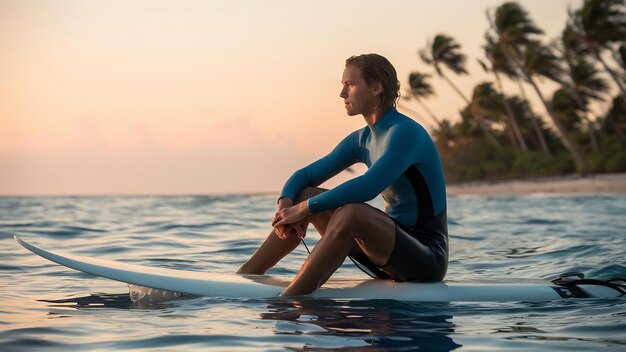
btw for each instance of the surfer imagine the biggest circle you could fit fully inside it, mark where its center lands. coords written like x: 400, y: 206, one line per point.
x: 406, y: 242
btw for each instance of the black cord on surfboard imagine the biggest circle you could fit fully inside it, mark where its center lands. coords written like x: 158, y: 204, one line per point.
x: 304, y: 243
x: 575, y: 279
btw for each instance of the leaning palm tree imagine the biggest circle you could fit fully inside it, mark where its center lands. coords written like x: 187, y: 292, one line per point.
x: 586, y: 86
x: 574, y: 53
x: 597, y: 24
x: 528, y: 122
x: 620, y: 57
x: 420, y: 88
x: 499, y: 64
x: 487, y: 102
x: 584, y: 82
x: 445, y: 135
x: 615, y: 119
x: 444, y: 51
x: 566, y: 110
x: 514, y: 30
x: 540, y: 61
x: 513, y: 27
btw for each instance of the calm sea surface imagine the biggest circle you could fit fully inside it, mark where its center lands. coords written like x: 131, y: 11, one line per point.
x: 44, y: 306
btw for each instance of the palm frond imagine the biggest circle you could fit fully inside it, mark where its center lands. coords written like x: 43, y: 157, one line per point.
x: 446, y: 51
x: 513, y: 24
x: 419, y: 85
x: 499, y: 61
x: 541, y: 60
x: 603, y: 20
x: 587, y: 81
x: 566, y: 109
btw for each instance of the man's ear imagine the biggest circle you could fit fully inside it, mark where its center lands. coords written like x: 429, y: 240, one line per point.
x: 377, y: 88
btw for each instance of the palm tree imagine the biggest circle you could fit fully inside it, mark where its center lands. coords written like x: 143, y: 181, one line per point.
x: 535, y: 120
x: 539, y: 60
x: 620, y: 57
x: 499, y: 64
x: 615, y: 119
x: 566, y: 109
x: 445, y: 51
x: 487, y: 102
x: 585, y: 82
x: 529, y: 122
x: 445, y: 136
x: 514, y: 27
x: 420, y: 88
x: 597, y: 24
x: 586, y: 86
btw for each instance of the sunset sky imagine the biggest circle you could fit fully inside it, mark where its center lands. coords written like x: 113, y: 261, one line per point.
x: 179, y: 97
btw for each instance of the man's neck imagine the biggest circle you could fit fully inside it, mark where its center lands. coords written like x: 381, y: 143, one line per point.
x: 374, y: 116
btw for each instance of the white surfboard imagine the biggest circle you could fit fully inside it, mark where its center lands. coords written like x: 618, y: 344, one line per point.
x: 262, y: 286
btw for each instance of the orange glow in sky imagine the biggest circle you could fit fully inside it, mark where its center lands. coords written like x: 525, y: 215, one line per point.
x: 168, y: 97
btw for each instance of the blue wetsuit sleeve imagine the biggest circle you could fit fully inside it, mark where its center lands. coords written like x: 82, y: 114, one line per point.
x: 400, y: 152
x: 344, y: 155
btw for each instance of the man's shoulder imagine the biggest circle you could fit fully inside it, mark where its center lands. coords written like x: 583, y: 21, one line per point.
x: 405, y: 120
x: 407, y: 125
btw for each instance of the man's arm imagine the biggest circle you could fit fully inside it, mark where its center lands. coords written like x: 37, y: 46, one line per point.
x: 401, y: 152
x: 343, y: 156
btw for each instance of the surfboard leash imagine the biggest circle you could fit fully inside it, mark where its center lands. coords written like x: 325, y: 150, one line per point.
x: 304, y: 243
x: 574, y: 279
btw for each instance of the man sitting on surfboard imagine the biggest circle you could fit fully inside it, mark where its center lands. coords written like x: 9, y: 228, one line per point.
x: 407, y: 242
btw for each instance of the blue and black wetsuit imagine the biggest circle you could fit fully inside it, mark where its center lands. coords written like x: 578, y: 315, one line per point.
x: 403, y: 166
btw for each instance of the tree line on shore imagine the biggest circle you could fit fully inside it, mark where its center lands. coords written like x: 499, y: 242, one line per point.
x: 500, y: 135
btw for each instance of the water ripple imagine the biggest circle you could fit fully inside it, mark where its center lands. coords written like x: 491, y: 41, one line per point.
x: 513, y: 238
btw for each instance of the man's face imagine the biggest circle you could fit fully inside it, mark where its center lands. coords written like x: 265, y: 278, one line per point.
x: 358, y: 97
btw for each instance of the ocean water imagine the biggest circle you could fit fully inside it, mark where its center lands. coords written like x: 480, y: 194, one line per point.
x: 44, y: 306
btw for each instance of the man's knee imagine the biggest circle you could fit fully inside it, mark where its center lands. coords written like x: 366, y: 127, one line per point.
x: 351, y: 211
x: 307, y: 193
x: 349, y: 216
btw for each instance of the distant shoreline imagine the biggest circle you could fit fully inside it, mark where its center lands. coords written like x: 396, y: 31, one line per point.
x: 572, y: 184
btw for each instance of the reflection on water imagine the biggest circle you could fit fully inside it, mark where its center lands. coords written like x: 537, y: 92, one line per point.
x: 146, y: 295
x: 381, y: 324
x: 352, y: 324
x: 106, y: 300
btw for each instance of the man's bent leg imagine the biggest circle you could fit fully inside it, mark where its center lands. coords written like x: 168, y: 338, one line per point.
x: 372, y: 230
x: 268, y: 254
x: 274, y: 249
